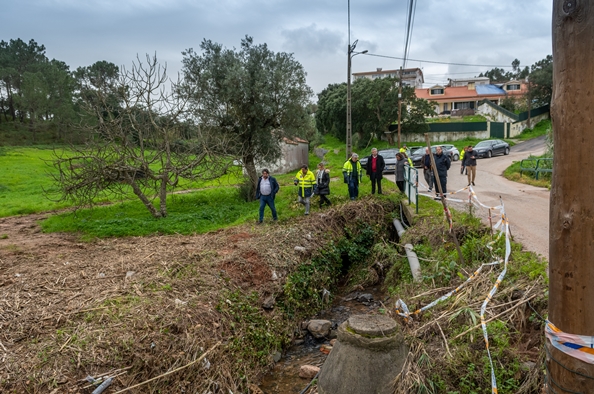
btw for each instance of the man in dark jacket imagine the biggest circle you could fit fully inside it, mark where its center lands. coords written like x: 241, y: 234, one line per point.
x: 428, y: 171
x: 442, y: 165
x: 265, y: 192
x: 375, y: 169
x: 470, y: 163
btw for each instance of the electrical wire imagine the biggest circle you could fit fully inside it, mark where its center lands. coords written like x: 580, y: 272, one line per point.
x: 436, y: 62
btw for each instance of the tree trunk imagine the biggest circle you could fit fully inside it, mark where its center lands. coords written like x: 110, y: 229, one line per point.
x: 163, y: 195
x: 571, y: 245
x: 250, y: 168
x: 149, y: 205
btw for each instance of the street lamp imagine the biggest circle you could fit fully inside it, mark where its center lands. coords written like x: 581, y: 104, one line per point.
x: 349, y: 131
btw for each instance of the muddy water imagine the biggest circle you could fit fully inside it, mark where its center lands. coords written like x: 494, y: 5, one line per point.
x: 284, y: 378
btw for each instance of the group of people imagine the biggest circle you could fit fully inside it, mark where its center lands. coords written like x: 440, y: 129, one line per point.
x: 468, y: 158
x: 310, y: 184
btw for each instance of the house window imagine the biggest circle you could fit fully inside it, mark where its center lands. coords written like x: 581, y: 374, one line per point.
x: 436, y: 91
x: 514, y: 86
x: 465, y: 105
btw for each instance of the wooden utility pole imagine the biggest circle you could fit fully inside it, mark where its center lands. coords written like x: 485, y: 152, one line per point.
x: 443, y: 200
x: 571, y: 239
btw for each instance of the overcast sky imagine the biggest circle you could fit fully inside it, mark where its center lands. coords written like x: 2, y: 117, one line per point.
x: 478, y: 32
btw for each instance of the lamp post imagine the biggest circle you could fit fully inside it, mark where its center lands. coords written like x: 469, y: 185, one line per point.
x: 349, y: 131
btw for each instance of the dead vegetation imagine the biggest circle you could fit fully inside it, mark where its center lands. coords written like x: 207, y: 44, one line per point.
x: 139, y: 308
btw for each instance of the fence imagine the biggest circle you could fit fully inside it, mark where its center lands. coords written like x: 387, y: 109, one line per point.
x: 411, y: 186
x: 536, y: 166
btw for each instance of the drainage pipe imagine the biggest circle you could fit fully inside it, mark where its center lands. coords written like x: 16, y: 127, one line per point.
x: 413, y: 260
x: 399, y: 227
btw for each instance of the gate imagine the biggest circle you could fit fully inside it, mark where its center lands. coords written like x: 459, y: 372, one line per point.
x: 497, y: 130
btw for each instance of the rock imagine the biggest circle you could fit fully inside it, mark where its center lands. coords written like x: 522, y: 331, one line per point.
x: 300, y: 249
x: 276, y: 356
x: 274, y: 275
x: 179, y: 303
x: 326, y: 349
x: 320, y: 153
x: 269, y: 303
x: 332, y: 342
x: 528, y: 365
x: 129, y: 274
x: 365, y: 297
x: 308, y: 371
x: 304, y: 325
x: 333, y: 334
x: 319, y: 328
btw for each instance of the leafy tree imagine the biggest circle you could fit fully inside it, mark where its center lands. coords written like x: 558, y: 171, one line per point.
x: 374, y: 107
x: 16, y: 59
x: 142, y: 147
x: 541, y: 81
x: 252, y: 96
x: 497, y: 75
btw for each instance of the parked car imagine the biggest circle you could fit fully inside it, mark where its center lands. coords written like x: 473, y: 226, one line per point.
x: 452, y: 151
x: 389, y: 156
x: 489, y: 148
x: 448, y: 149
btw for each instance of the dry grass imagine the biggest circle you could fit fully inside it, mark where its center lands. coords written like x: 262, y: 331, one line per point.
x: 140, y: 307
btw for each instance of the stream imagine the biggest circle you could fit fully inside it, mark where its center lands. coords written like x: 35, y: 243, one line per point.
x: 284, y: 377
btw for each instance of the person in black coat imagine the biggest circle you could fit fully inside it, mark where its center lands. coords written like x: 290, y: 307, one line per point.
x: 442, y: 165
x: 323, y: 185
x: 375, y: 169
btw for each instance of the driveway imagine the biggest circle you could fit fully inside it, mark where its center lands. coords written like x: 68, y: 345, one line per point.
x: 527, y: 207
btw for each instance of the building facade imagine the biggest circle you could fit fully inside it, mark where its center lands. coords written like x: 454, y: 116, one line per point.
x: 410, y: 76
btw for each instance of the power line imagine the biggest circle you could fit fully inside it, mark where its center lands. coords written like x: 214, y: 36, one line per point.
x: 435, y: 62
x: 411, y: 11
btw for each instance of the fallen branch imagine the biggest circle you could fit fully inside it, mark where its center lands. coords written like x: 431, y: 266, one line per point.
x: 170, y: 372
x: 496, y: 316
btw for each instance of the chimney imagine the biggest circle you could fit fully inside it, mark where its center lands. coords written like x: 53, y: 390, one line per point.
x: 378, y: 69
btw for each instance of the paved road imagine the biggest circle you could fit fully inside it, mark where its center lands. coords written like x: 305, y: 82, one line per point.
x: 527, y: 206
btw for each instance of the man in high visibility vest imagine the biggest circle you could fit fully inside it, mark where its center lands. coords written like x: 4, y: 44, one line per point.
x: 306, y: 180
x: 353, y: 174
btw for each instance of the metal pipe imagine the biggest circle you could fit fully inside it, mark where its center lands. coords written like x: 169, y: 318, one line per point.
x: 413, y: 261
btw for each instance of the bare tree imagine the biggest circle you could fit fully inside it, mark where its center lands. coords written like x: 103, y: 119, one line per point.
x: 142, y: 140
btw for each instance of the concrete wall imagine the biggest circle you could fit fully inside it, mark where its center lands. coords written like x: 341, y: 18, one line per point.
x: 293, y: 156
x: 518, y: 127
x: 493, y: 114
x: 445, y: 136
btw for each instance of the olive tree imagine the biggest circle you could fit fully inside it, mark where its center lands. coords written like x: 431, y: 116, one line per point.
x: 253, y: 97
x: 143, y: 141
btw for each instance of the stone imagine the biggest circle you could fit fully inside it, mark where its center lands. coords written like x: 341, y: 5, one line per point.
x: 333, y: 334
x: 365, y: 297
x: 332, y: 342
x: 276, y: 356
x: 308, y: 371
x: 319, y: 328
x: 320, y: 153
x: 300, y: 249
x: 269, y: 303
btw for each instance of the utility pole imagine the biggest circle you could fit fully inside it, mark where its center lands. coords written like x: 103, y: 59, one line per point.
x: 529, y: 103
x: 349, y: 130
x: 399, y: 104
x: 571, y: 245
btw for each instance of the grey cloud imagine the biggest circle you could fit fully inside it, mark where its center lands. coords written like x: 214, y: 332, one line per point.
x: 312, y: 41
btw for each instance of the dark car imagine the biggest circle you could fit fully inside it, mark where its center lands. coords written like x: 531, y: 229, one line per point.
x: 389, y: 156
x: 490, y: 148
x: 450, y: 150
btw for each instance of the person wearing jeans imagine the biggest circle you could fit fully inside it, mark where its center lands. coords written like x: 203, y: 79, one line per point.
x: 306, y: 180
x: 352, y: 173
x: 266, y: 192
